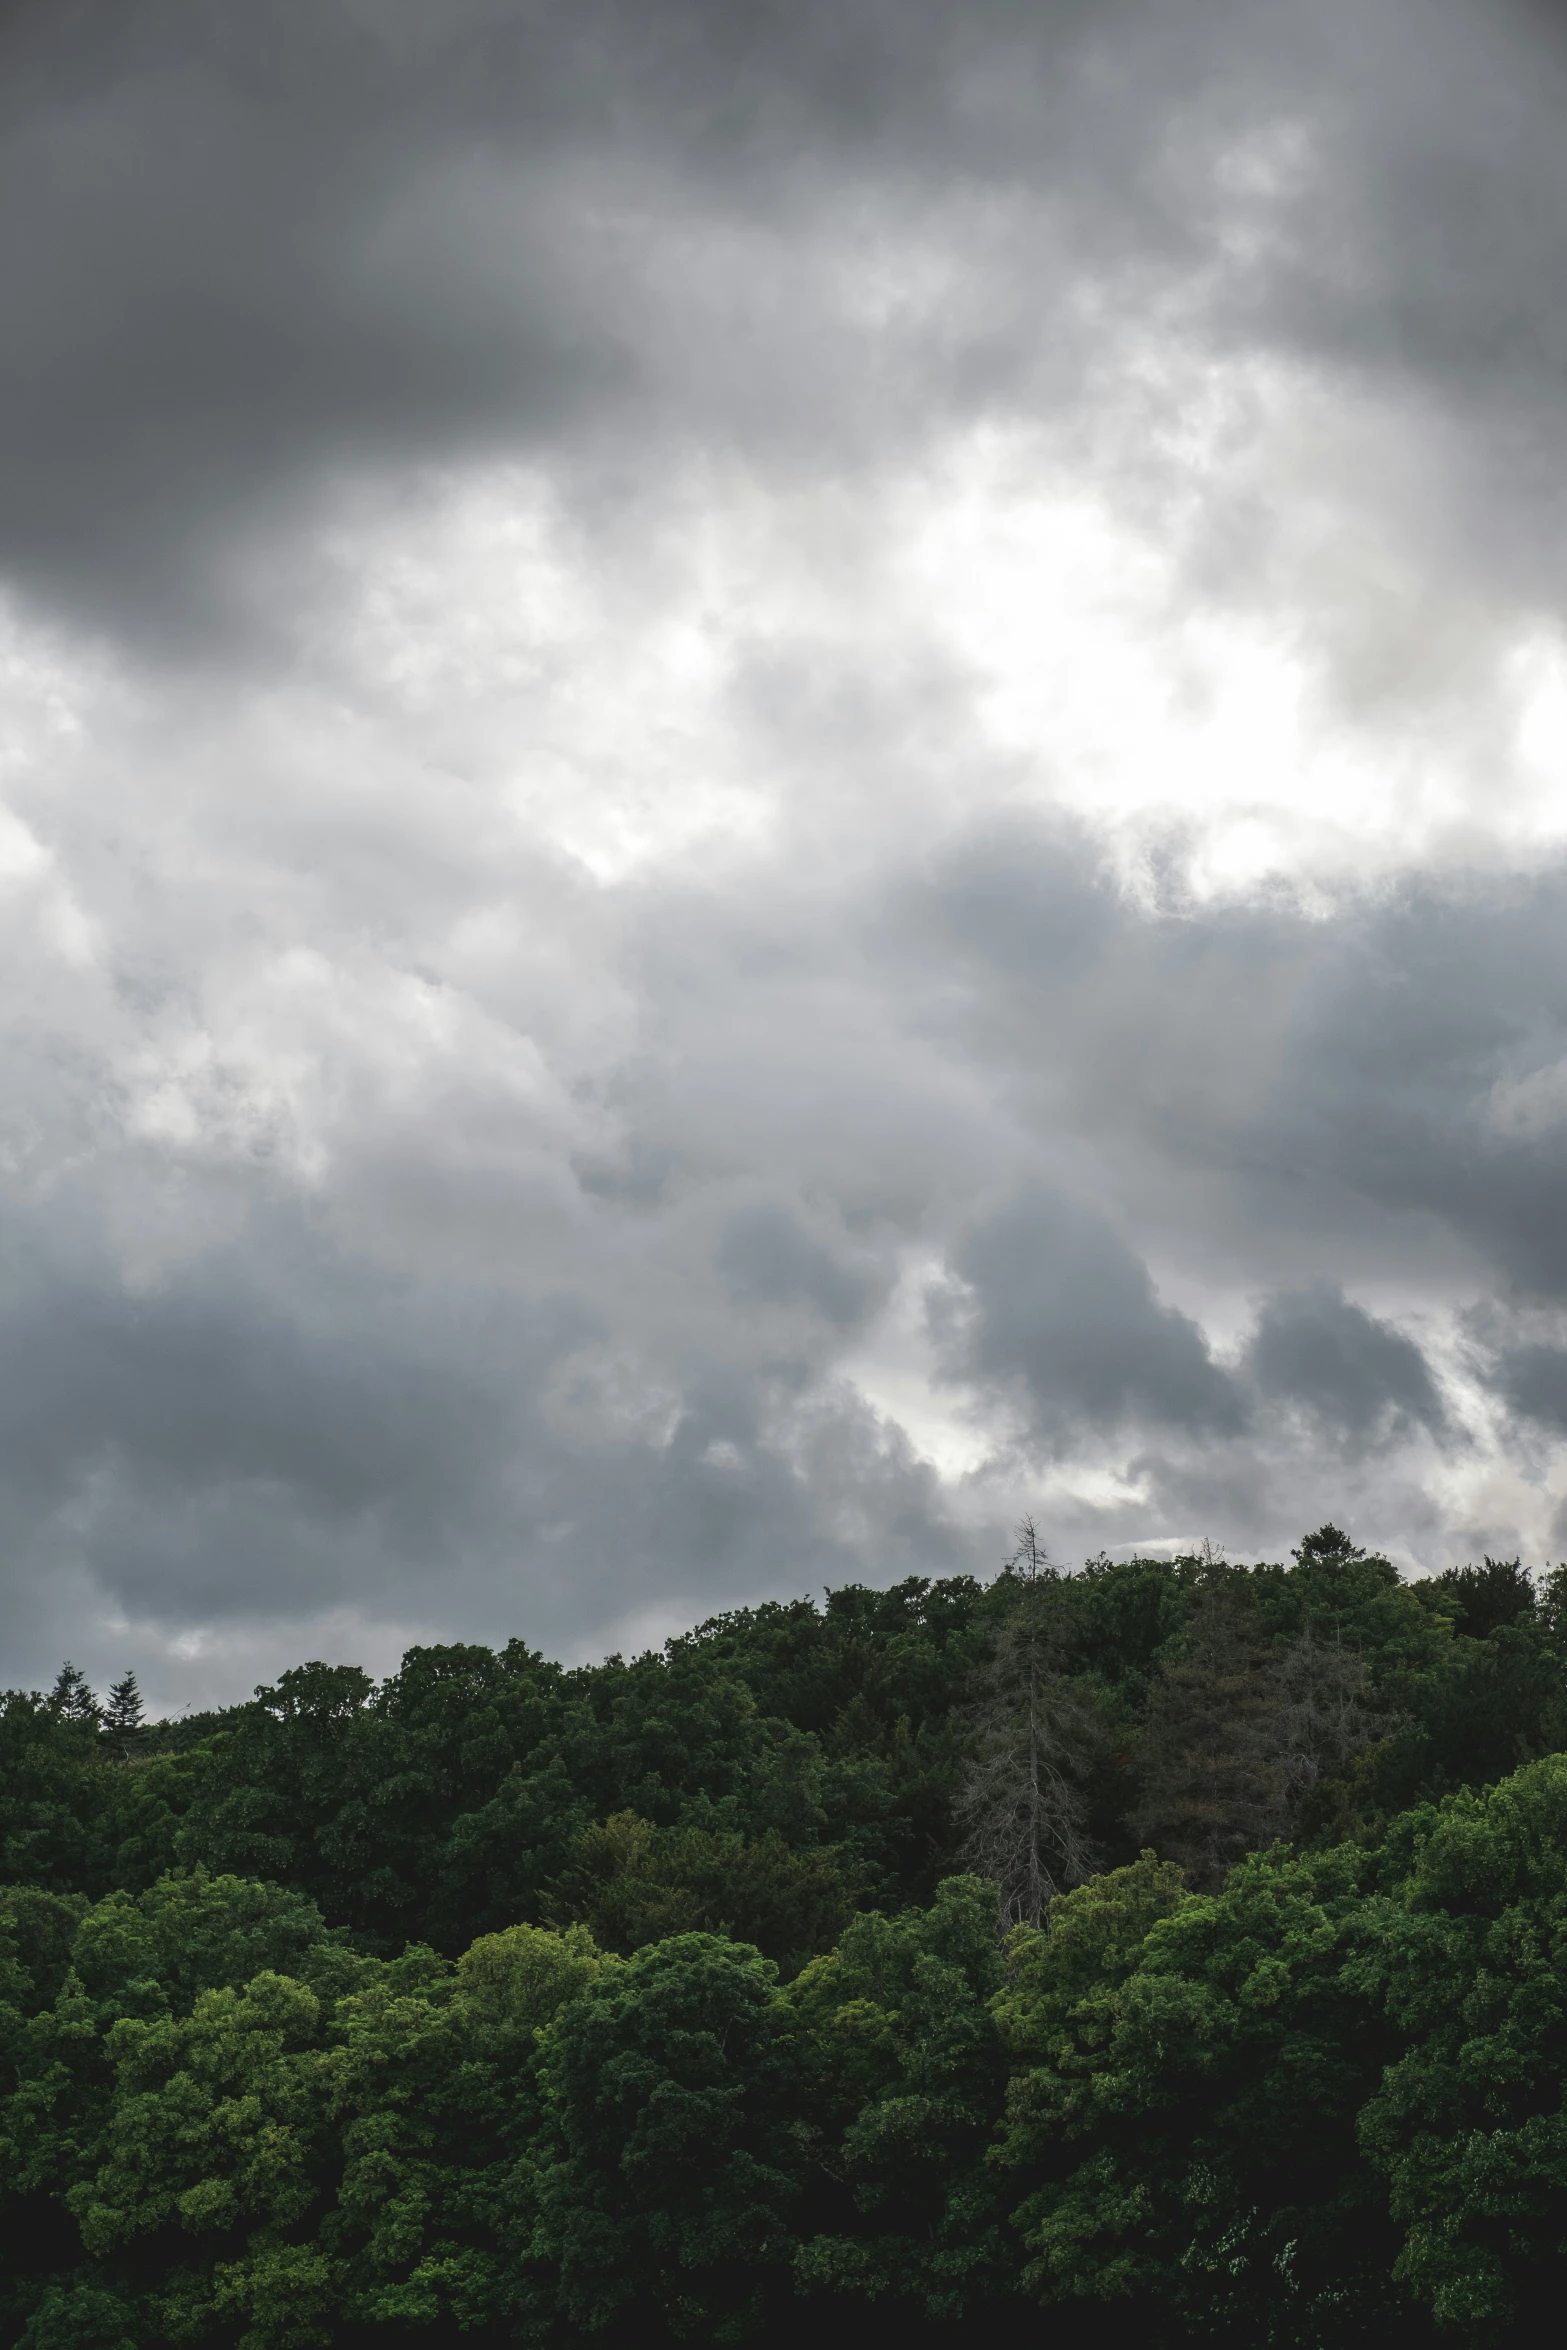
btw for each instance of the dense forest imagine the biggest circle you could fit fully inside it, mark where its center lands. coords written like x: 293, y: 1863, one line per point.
x: 1169, y: 1944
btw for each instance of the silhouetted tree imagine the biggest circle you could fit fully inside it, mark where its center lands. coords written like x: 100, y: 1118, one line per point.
x: 71, y: 1698
x: 1500, y: 1592
x: 122, y: 1715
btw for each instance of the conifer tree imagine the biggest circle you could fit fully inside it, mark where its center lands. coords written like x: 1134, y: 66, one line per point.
x: 1032, y: 1738
x: 123, y: 1713
x: 1214, y: 1764
x: 71, y: 1698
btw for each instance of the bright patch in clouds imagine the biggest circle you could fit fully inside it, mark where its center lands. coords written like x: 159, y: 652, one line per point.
x: 596, y: 699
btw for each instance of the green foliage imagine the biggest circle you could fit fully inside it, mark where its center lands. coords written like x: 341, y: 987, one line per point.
x: 123, y: 1714
x: 1211, y: 1764
x: 1191, y: 2128
x: 519, y: 1981
x: 71, y: 1699
x: 899, y: 2070
x: 643, y: 2001
x: 1095, y: 1940
x: 633, y: 1883
x: 673, y: 2169
x: 1468, y: 1957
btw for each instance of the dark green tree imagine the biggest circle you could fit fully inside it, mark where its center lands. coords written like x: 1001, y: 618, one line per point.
x: 1190, y: 2117
x: 123, y: 1713
x: 671, y: 2173
x: 900, y: 2072
x: 71, y: 1698
x: 1213, y: 1764
x: 633, y: 1883
x: 1465, y: 1955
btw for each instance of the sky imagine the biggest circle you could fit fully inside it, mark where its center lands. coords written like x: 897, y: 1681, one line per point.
x: 773, y: 780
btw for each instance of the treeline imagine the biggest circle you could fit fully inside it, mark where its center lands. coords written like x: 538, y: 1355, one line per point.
x: 1170, y: 1938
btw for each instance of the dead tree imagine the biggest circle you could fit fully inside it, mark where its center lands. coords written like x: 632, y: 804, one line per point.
x: 1031, y: 1738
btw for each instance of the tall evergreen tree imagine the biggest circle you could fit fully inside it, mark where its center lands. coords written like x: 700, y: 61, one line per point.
x: 1032, y: 1739
x: 71, y: 1698
x: 123, y: 1713
x: 1214, y: 1765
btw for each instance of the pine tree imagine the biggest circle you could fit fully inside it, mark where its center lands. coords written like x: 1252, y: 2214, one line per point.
x: 1214, y: 1762
x: 72, y: 1699
x: 123, y: 1713
x: 1032, y: 1738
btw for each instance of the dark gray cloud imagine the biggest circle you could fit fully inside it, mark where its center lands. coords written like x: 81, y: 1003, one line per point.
x: 768, y: 1259
x: 569, y: 1056
x: 1392, y: 1081
x: 277, y: 1433
x: 1532, y: 1380
x: 257, y: 249
x: 434, y: 1398
x: 1316, y: 1351
x: 1063, y: 1307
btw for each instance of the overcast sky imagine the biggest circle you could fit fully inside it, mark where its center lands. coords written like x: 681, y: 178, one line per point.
x: 773, y: 777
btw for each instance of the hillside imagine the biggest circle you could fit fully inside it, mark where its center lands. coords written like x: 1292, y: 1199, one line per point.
x: 1170, y: 1933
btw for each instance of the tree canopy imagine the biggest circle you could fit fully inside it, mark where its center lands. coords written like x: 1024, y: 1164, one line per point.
x: 1167, y: 1938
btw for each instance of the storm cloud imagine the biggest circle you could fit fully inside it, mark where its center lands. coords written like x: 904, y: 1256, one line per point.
x: 1063, y: 1306
x: 1316, y: 1351
x: 771, y: 780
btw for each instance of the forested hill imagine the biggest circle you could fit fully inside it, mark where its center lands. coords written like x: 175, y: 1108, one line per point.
x: 1170, y: 1934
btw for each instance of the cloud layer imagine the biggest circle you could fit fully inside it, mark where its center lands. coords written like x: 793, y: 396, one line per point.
x: 772, y: 780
